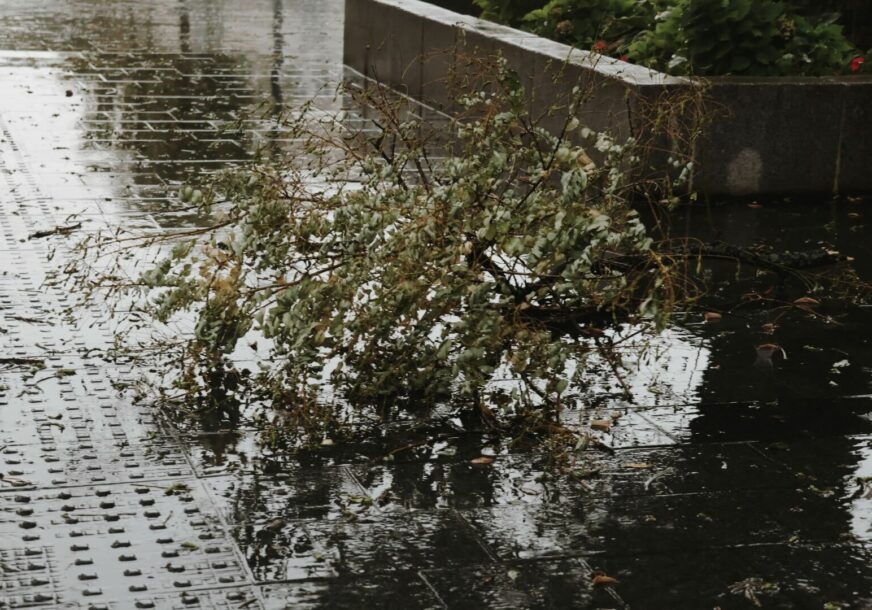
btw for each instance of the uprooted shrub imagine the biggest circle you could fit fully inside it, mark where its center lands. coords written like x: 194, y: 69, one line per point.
x: 477, y: 260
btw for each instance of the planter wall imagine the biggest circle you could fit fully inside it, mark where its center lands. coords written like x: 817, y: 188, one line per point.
x: 764, y: 136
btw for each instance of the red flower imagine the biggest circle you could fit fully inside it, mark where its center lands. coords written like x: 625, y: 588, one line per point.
x: 624, y: 57
x: 856, y: 63
x: 599, y: 45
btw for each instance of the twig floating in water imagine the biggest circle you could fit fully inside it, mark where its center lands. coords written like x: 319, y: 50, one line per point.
x: 56, y: 231
x: 23, y: 361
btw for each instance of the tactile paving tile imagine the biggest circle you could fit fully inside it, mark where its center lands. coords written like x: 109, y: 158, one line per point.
x: 69, y: 403
x: 46, y: 466
x: 120, y: 541
x: 26, y: 577
x: 233, y: 598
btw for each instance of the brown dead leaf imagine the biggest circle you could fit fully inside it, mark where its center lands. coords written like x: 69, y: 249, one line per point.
x: 585, y: 161
x: 488, y: 415
x: 603, y: 579
x: 768, y: 348
x: 482, y: 461
x: 712, y: 316
x: 639, y: 465
x: 804, y: 302
x: 603, y: 425
x: 769, y: 328
x: 275, y: 525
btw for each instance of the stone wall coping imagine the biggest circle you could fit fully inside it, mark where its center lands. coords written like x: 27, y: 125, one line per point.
x: 606, y: 66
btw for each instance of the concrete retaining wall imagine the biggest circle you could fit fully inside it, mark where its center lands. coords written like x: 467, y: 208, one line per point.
x: 764, y: 136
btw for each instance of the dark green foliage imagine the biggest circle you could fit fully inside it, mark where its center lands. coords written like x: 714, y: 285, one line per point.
x: 854, y: 15
x: 507, y: 11
x: 584, y: 22
x: 702, y: 37
x: 749, y: 37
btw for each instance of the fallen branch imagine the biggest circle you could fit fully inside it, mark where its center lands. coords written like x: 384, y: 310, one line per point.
x: 29, y: 320
x: 14, y: 481
x: 56, y: 231
x: 23, y: 361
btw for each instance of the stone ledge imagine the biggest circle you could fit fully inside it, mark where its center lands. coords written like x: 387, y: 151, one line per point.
x: 765, y: 136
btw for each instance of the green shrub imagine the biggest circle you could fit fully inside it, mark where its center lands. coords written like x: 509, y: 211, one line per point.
x: 744, y: 37
x: 507, y: 11
x: 702, y: 37
x: 587, y: 22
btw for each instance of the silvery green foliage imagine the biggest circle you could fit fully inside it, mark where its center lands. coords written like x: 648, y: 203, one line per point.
x: 396, y: 271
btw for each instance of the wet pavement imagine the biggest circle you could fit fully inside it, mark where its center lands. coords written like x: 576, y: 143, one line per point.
x: 721, y: 485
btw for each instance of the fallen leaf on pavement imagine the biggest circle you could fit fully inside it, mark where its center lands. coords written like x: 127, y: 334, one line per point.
x: 275, y: 525
x: 639, y: 465
x: 603, y: 425
x: 806, y: 302
x: 603, y: 579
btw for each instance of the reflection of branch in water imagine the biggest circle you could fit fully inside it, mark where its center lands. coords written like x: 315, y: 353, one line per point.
x: 660, y: 474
